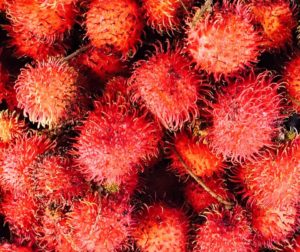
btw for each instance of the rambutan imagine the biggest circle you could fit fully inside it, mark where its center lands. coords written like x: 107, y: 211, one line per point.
x: 16, y: 158
x: 168, y: 87
x: 7, y: 92
x: 98, y: 224
x: 27, y: 44
x: 225, y: 230
x: 199, y: 198
x: 196, y: 156
x: 46, y: 23
x: 103, y: 64
x: 165, y: 15
x: 117, y: 86
x: 276, y: 20
x: 21, y: 214
x: 291, y: 77
x: 114, y: 141
x: 116, y: 25
x: 55, y: 180
x: 11, y: 126
x: 274, y: 180
x: 161, y: 228
x: 246, y: 118
x: 47, y: 92
x: 274, y: 225
x: 224, y: 42
x: 8, y: 247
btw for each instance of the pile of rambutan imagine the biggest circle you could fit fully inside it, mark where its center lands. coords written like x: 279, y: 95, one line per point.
x: 149, y: 126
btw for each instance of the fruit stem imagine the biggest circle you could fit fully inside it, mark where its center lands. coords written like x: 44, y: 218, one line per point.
x: 78, y: 51
x: 206, y: 7
x: 227, y: 204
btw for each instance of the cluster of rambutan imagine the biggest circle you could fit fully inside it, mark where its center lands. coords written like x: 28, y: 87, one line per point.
x: 149, y: 126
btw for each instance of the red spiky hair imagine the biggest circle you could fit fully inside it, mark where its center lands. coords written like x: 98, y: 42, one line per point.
x: 116, y: 86
x: 167, y: 86
x: 47, y: 91
x: 291, y: 77
x: 196, y: 155
x: 274, y: 180
x: 8, y: 247
x: 225, y: 230
x: 275, y: 225
x: 103, y: 64
x: 11, y: 126
x: 277, y: 21
x: 199, y: 198
x: 55, y: 180
x: 46, y: 23
x: 21, y: 214
x: 165, y: 15
x: 99, y: 224
x: 161, y: 228
x: 115, y: 24
x: 26, y: 43
x: 246, y: 118
x: 224, y: 42
x: 16, y: 158
x: 115, y: 140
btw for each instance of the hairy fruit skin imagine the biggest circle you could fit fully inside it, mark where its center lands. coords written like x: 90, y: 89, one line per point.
x: 246, y: 118
x: 225, y: 230
x: 55, y: 180
x: 275, y: 179
x: 27, y: 44
x: 160, y: 228
x: 292, y: 81
x: 114, y: 25
x: 16, y: 158
x: 274, y: 225
x: 7, y: 247
x: 164, y: 15
x: 277, y: 21
x: 20, y: 212
x: 225, y: 43
x: 47, y: 91
x: 168, y: 87
x: 196, y: 155
x: 199, y: 199
x: 114, y: 141
x: 98, y: 224
x: 46, y: 23
x: 11, y: 126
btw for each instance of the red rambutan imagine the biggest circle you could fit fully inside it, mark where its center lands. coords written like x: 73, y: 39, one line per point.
x: 115, y: 24
x: 168, y: 87
x: 274, y: 225
x: 116, y: 86
x: 7, y: 92
x: 21, y: 214
x: 292, y: 80
x: 55, y: 180
x: 274, y: 180
x: 276, y: 20
x: 196, y: 155
x: 114, y: 141
x: 225, y: 42
x: 46, y: 23
x: 11, y: 126
x: 98, y: 224
x: 246, y: 118
x: 165, y: 15
x: 27, y: 44
x: 161, y: 228
x: 7, y: 247
x: 199, y: 198
x: 225, y: 230
x: 103, y: 64
x: 16, y: 158
x: 47, y: 92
